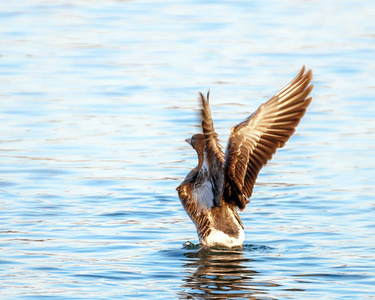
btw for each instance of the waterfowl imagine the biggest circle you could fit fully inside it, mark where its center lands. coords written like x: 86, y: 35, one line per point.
x: 221, y: 184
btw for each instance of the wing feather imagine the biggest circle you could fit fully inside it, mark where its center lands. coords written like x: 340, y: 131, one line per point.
x: 192, y: 206
x: 214, y: 156
x: 203, y: 194
x: 253, y: 141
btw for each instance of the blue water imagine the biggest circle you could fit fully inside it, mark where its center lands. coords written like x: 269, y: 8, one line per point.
x: 97, y: 98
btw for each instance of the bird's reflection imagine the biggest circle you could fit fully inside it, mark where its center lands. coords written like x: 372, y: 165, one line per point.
x: 222, y: 274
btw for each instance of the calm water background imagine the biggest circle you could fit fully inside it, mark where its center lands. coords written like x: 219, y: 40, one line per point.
x: 97, y: 98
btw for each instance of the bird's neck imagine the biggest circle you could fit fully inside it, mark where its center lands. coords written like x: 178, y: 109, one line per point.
x: 200, y: 160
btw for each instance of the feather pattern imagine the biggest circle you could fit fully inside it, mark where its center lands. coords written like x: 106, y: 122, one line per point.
x: 213, y: 155
x: 203, y: 190
x: 253, y: 141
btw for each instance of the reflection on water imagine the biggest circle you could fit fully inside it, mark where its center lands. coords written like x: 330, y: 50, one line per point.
x: 222, y: 274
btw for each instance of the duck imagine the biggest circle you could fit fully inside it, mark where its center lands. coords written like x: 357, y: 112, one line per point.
x: 221, y: 184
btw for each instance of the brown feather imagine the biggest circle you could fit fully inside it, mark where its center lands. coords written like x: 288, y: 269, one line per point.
x: 254, y: 141
x: 213, y: 152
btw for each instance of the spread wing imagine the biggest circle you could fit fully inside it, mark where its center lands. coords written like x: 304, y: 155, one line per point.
x: 214, y: 156
x: 253, y: 142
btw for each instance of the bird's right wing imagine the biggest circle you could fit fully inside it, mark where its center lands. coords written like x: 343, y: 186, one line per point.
x: 253, y: 141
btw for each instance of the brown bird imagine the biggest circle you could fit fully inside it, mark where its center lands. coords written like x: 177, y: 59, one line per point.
x: 219, y: 184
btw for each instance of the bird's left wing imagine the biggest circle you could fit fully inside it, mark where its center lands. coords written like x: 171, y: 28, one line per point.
x: 214, y: 156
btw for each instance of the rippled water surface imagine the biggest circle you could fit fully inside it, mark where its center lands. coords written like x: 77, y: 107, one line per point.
x: 97, y: 98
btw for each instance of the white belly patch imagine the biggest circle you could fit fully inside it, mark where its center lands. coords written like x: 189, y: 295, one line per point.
x: 219, y: 238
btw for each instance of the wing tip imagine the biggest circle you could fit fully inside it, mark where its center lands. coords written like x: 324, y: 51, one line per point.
x: 203, y: 98
x: 308, y: 101
x: 303, y: 73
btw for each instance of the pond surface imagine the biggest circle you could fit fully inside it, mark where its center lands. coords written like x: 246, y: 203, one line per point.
x: 97, y: 98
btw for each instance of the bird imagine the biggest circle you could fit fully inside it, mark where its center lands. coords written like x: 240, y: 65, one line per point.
x: 221, y: 185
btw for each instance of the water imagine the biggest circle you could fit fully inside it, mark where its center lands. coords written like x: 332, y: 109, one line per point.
x: 96, y: 101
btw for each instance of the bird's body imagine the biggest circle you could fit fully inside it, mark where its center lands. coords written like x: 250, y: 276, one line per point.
x: 216, y: 226
x: 219, y: 184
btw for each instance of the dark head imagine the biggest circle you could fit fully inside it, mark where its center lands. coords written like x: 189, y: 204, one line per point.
x: 197, y: 142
